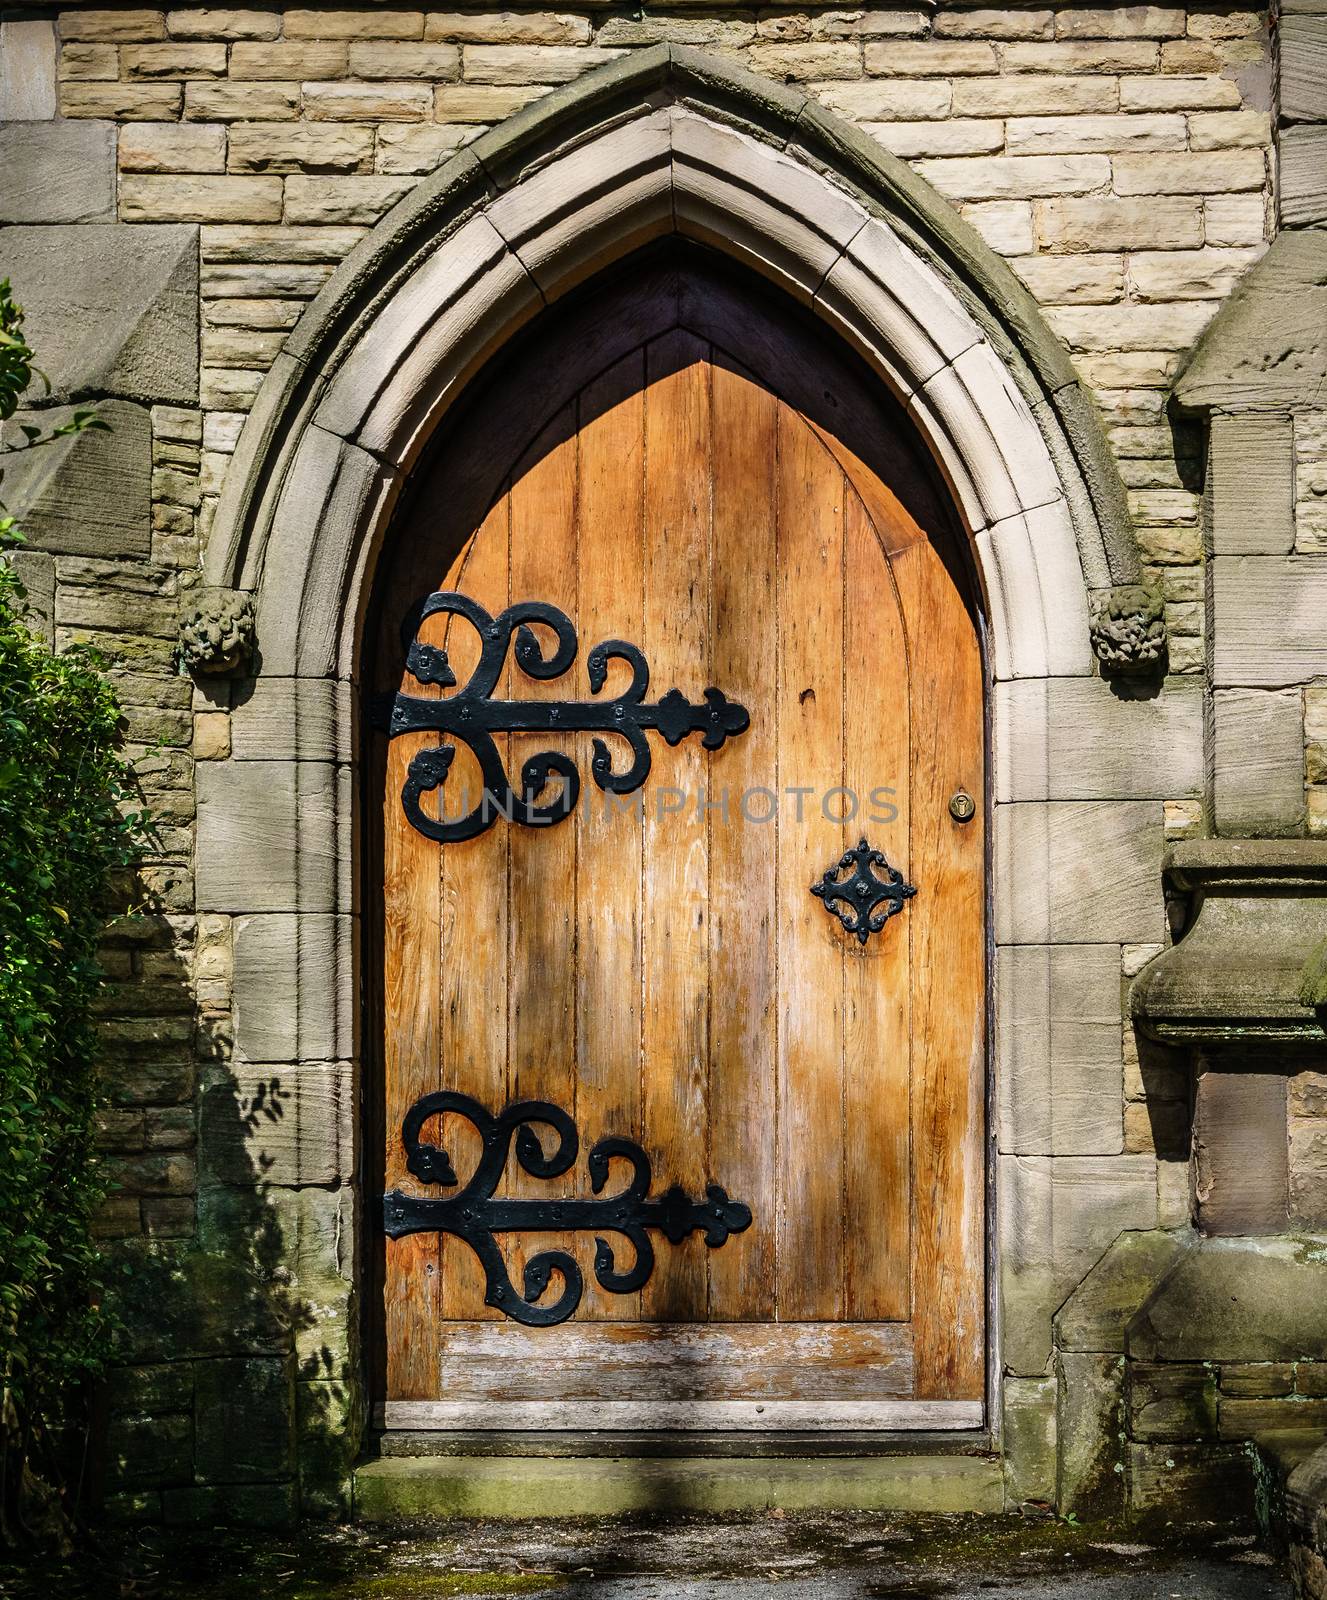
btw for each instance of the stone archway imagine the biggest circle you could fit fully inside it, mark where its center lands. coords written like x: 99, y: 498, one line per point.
x: 669, y: 142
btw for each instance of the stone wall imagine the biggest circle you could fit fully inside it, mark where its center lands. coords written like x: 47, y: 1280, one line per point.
x: 215, y: 165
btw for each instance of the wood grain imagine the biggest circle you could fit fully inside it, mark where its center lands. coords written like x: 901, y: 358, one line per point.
x: 676, y: 629
x: 541, y: 881
x: 679, y: 1361
x: 743, y: 1026
x: 948, y: 979
x: 810, y: 954
x: 876, y: 1040
x: 610, y: 850
x: 684, y: 466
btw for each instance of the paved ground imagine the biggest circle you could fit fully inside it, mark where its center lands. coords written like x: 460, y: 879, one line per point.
x: 864, y: 1558
x: 773, y: 1557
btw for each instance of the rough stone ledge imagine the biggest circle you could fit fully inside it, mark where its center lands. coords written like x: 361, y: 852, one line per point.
x: 1257, y: 918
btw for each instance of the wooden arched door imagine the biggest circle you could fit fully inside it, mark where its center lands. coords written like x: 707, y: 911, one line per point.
x: 681, y: 464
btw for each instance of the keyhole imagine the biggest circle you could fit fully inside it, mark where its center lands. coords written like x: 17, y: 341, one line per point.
x: 962, y: 807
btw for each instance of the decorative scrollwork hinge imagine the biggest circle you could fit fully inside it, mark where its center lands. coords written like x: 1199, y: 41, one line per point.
x: 862, y: 901
x: 473, y: 717
x: 475, y: 1216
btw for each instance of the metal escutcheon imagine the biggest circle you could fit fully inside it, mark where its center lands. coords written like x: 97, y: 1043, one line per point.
x: 962, y: 807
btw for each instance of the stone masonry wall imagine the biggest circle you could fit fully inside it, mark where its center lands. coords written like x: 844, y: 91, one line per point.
x: 1121, y: 157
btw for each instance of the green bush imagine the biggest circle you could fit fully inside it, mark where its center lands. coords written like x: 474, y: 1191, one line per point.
x: 68, y: 819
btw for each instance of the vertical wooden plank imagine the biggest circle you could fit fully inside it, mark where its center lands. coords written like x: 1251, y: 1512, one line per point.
x: 675, y: 1032
x: 877, y: 1195
x: 473, y: 933
x: 810, y: 951
x: 948, y: 981
x: 608, y: 863
x: 410, y: 889
x: 741, y: 844
x: 541, y: 991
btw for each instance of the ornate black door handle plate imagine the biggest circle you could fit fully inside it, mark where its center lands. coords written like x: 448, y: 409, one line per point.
x: 476, y: 1216
x: 473, y: 717
x: 862, y: 901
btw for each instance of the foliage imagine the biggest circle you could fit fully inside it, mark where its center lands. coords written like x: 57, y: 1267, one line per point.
x: 67, y: 820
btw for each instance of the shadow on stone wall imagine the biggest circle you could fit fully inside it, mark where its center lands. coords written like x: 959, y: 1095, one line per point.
x: 234, y: 1396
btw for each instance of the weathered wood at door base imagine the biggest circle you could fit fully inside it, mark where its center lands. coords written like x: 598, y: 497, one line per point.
x: 505, y: 1363
x: 681, y: 1415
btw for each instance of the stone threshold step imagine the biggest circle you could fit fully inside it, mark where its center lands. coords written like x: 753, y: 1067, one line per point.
x: 399, y: 1488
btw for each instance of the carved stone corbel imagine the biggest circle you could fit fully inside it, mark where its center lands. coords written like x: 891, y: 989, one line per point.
x: 216, y: 632
x: 1128, y: 625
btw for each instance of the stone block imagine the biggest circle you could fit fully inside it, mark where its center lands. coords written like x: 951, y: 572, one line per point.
x: 1266, y: 615
x: 912, y: 139
x: 1171, y: 1401
x: 1199, y: 1482
x: 149, y: 1451
x: 886, y: 99
x: 199, y: 198
x: 1259, y: 761
x: 1167, y: 275
x: 1096, y: 1314
x: 345, y: 200
x: 121, y: 102
x: 1236, y: 219
x: 56, y: 172
x: 1006, y: 225
x: 418, y: 148
x: 95, y: 63
x: 1090, y: 1429
x: 1208, y: 172
x: 172, y: 147
x: 302, y: 60
x: 1175, y: 92
x: 1303, y: 176
x: 267, y: 836
x: 280, y: 718
x: 1058, y: 1062
x: 1057, y: 1217
x: 438, y: 62
x: 299, y: 147
x: 241, y: 102
x: 244, y: 1415
x: 217, y: 22
x: 353, y: 22
x: 1080, y: 739
x: 1121, y: 22
x: 166, y: 1386
x: 368, y: 102
x: 87, y: 493
x: 1029, y: 1439
x: 1015, y: 177
x: 278, y: 958
x: 129, y: 25
x: 1239, y: 1152
x: 173, y: 61
x: 112, y: 309
x: 1302, y: 42
x: 1079, y: 871
x: 552, y: 64
x: 1262, y: 1380
x: 1253, y: 1419
x: 1254, y: 1299
x: 1017, y: 96
x: 27, y: 69
x: 1251, y: 480
x: 1108, y: 132
x: 281, y: 1125
x: 931, y: 58
x: 1308, y: 1173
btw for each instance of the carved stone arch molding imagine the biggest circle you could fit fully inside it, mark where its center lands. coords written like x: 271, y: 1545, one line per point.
x: 670, y: 141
